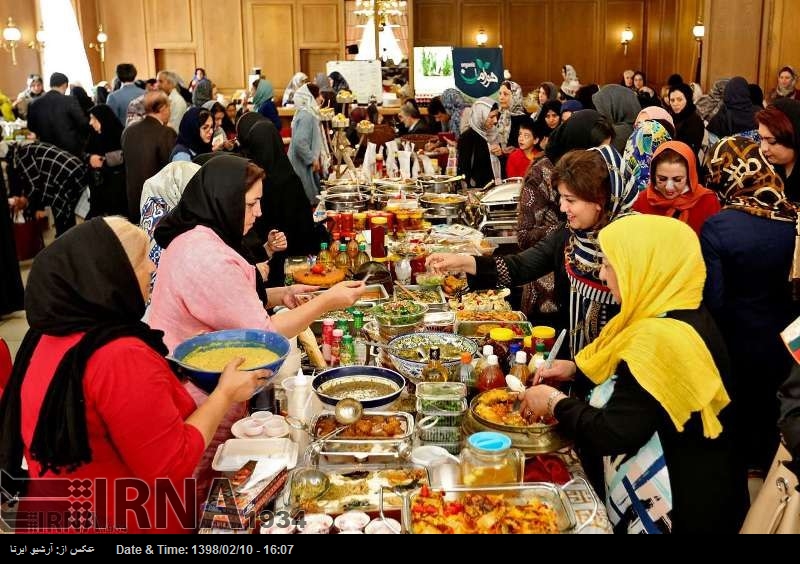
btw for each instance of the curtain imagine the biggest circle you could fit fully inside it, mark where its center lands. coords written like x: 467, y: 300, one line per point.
x: 64, y: 50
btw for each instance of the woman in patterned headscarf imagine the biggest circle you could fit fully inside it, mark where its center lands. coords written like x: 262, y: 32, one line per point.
x: 512, y: 111
x: 639, y: 151
x: 751, y: 255
x: 454, y: 104
x: 592, y: 196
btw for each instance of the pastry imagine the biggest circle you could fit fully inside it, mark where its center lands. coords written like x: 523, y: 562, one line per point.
x: 315, y: 276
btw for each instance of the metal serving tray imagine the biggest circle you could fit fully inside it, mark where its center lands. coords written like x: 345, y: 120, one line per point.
x: 339, y: 449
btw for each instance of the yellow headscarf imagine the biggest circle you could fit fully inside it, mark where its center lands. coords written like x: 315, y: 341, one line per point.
x: 6, y: 110
x: 659, y: 269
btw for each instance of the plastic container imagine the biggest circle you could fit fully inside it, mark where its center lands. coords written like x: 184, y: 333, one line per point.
x: 492, y: 376
x: 488, y: 460
x: 378, y: 238
x: 544, y: 334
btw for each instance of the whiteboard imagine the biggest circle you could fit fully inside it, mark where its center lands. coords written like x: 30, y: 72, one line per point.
x: 364, y: 78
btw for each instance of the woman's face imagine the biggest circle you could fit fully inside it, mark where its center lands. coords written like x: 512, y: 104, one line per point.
x: 231, y: 112
x: 638, y: 81
x: 609, y: 278
x: 552, y: 119
x: 775, y: 153
x: 785, y: 79
x: 218, y: 119
x: 207, y: 130
x: 200, y: 75
x: 543, y: 97
x: 677, y: 101
x: 37, y: 87
x: 580, y: 213
x: 504, y: 98
x: 671, y: 179
x: 628, y: 78
x: 252, y: 205
x: 491, y: 121
x: 95, y: 123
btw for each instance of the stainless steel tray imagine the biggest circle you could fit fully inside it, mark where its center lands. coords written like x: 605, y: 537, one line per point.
x: 362, y: 449
x: 515, y: 494
x: 438, y: 306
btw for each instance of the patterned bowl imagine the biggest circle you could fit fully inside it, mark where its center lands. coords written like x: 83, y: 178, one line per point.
x: 412, y: 369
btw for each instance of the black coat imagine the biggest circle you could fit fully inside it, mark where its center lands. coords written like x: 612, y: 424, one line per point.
x: 474, y: 161
x: 146, y: 145
x: 60, y: 121
x: 707, y: 477
x: 11, y: 292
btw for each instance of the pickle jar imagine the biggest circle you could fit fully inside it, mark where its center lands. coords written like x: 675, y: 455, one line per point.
x: 489, y: 460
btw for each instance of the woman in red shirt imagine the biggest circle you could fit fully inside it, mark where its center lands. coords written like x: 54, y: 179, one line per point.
x: 92, y: 401
x: 675, y: 190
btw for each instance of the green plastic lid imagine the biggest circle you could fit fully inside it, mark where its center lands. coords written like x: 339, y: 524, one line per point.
x: 324, y: 246
x: 540, y: 348
x: 347, y: 338
x: 489, y: 441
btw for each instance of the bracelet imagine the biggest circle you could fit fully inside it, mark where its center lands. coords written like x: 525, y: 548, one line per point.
x: 551, y: 401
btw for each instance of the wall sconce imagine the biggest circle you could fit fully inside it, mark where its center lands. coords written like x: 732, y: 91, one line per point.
x: 481, y: 38
x: 11, y: 36
x: 699, y: 32
x: 626, y: 37
x: 41, y: 39
x: 100, y: 46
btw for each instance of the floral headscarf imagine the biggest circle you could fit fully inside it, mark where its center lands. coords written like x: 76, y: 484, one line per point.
x: 454, y: 104
x: 515, y: 108
x: 639, y: 152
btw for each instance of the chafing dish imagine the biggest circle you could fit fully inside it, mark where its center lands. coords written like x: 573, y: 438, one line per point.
x: 498, y: 212
x: 346, y: 201
x: 361, y: 449
x: 440, y: 183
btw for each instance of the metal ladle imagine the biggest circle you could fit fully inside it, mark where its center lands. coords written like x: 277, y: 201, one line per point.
x: 346, y: 412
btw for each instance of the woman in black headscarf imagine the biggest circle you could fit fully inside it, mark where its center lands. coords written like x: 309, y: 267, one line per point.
x: 737, y: 116
x: 338, y: 82
x: 79, y: 93
x: 108, y: 194
x: 689, y: 126
x: 285, y: 205
x: 194, y: 135
x: 91, y: 395
x: 11, y: 292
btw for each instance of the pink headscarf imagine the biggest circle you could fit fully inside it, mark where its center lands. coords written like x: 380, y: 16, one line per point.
x: 655, y: 113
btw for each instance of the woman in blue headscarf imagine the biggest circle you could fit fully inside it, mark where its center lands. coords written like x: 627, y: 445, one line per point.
x: 263, y: 103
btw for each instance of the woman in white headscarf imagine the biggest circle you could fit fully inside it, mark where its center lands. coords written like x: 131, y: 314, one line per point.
x: 476, y: 161
x: 571, y: 83
x: 298, y: 80
x: 512, y: 110
x: 305, y: 149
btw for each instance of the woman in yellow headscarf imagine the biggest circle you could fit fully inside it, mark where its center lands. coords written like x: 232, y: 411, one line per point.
x: 656, y: 416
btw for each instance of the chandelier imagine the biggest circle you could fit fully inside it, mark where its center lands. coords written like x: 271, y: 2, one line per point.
x: 381, y: 10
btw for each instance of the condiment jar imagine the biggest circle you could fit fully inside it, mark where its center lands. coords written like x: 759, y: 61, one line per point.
x: 544, y: 334
x: 500, y: 339
x: 489, y: 460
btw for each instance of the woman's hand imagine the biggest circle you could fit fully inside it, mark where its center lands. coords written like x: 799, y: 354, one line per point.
x: 263, y: 269
x: 495, y: 149
x: 536, y: 399
x: 276, y: 242
x: 96, y: 161
x: 240, y: 385
x: 290, y: 296
x: 344, y: 294
x: 441, y: 263
x: 562, y: 371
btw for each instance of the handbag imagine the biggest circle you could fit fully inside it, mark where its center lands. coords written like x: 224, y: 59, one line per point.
x: 27, y: 236
x: 776, y: 509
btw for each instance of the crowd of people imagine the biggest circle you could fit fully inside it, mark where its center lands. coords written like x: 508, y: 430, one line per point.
x: 659, y: 230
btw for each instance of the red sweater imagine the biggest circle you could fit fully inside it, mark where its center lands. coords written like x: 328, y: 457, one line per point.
x: 135, y: 414
x: 517, y: 164
x: 705, y: 207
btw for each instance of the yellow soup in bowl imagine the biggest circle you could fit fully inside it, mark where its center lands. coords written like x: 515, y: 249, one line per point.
x: 215, y: 360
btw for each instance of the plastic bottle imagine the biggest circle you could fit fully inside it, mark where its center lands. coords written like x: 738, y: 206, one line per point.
x: 378, y: 241
x: 538, y: 360
x: 520, y: 368
x: 362, y: 258
x: 501, y: 338
x: 342, y: 260
x: 359, y: 344
x: 492, y: 375
x: 336, y: 347
x: 352, y: 252
x: 466, y: 375
x: 452, y: 161
x: 298, y: 390
x: 325, y: 255
x: 327, y: 339
x: 480, y: 364
x: 434, y: 371
x: 347, y: 351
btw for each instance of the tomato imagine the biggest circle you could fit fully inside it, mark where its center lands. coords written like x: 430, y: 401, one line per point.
x: 425, y: 491
x: 318, y: 269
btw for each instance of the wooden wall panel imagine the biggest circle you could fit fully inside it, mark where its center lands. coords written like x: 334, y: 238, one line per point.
x: 269, y: 41
x: 124, y: 22
x: 527, y: 46
x: 170, y: 22
x: 320, y: 24
x: 437, y: 23
x: 686, y: 47
x: 225, y: 62
x: 313, y: 61
x: 13, y: 78
x: 733, y: 39
x: 620, y: 14
x: 181, y: 61
x: 476, y: 15
x: 783, y: 45
x: 581, y: 51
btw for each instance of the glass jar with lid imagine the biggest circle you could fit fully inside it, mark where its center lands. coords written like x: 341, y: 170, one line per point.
x: 489, y: 460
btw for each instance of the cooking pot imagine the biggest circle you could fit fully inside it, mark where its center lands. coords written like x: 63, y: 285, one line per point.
x: 440, y: 183
x: 346, y: 201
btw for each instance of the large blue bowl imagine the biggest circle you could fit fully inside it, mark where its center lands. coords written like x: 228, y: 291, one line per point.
x: 255, y: 338
x: 368, y: 373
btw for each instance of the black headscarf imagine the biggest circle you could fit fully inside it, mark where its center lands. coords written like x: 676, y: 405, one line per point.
x: 101, y: 94
x: 690, y: 108
x: 83, y: 282
x: 284, y: 205
x: 109, y: 138
x: 79, y: 93
x: 737, y: 114
x: 189, y: 131
x: 339, y: 82
x: 580, y: 131
x: 553, y: 105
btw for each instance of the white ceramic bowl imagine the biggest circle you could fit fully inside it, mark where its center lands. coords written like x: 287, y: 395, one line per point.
x: 276, y: 427
x: 252, y: 427
x: 351, y: 521
x: 261, y: 416
x: 380, y: 526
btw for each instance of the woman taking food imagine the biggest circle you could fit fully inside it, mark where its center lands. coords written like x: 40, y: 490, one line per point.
x: 675, y: 190
x: 101, y: 374
x: 592, y: 195
x: 660, y: 366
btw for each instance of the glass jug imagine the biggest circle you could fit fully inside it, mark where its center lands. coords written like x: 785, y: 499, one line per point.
x: 488, y: 460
